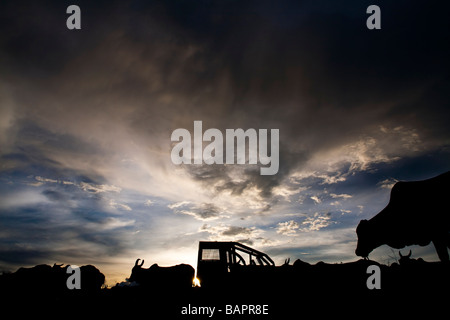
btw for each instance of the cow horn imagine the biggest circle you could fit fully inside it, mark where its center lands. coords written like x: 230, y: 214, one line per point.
x: 137, y: 262
x: 409, y: 254
x: 400, y: 254
x: 142, y: 263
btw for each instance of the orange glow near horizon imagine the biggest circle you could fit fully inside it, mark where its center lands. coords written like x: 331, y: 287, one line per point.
x: 196, y: 282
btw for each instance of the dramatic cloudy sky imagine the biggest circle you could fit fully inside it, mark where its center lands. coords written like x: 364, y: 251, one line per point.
x: 86, y: 118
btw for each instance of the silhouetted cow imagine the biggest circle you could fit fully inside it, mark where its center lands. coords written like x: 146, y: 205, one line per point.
x: 417, y: 213
x: 91, y: 278
x: 408, y: 261
x: 179, y: 276
x: 44, y: 279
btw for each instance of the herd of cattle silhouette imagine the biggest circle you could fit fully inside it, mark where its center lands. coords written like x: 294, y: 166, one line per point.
x: 415, y: 215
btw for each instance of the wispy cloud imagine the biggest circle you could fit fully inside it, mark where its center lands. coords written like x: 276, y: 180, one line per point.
x: 121, y: 206
x: 287, y: 228
x: 387, y: 183
x: 201, y: 211
x: 316, y: 199
x: 93, y: 188
x: 340, y: 196
x: 317, y: 222
x: 178, y: 204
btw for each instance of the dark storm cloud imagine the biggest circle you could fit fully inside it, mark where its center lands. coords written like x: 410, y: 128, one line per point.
x: 145, y: 68
x: 312, y: 70
x: 223, y: 179
x: 324, y: 79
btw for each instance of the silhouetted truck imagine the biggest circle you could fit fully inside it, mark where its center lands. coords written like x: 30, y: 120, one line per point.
x: 230, y: 263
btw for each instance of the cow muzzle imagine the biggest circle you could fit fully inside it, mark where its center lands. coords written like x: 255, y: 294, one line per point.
x: 362, y: 253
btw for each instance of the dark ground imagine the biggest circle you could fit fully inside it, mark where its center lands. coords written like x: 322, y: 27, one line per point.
x: 292, y: 292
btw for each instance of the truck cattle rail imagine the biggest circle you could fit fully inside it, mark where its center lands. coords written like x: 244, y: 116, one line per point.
x: 229, y: 263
